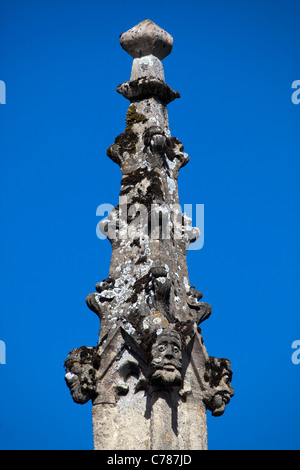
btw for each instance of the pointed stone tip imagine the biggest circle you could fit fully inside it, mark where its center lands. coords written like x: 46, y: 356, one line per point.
x: 147, y: 38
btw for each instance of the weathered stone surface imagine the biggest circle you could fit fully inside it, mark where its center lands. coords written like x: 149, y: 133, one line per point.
x: 149, y: 378
x: 148, y: 66
x: 147, y: 38
x: 144, y: 87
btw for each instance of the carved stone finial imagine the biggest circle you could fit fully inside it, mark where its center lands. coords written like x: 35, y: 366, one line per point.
x: 146, y: 38
x: 148, y: 44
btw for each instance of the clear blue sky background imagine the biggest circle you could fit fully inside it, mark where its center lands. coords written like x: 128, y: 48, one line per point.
x: 233, y: 63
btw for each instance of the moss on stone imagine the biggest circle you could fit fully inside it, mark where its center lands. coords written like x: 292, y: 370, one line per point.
x: 126, y: 142
x: 133, y: 117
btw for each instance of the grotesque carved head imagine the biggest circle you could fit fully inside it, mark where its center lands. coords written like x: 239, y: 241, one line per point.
x: 81, y: 365
x: 218, y: 390
x: 166, y: 359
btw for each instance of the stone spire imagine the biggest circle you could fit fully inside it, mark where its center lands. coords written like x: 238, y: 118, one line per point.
x: 150, y: 378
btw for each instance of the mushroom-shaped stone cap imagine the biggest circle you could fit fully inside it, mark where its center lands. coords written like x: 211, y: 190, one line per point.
x: 147, y: 38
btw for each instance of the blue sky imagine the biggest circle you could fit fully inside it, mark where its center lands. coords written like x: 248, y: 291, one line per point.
x: 233, y: 63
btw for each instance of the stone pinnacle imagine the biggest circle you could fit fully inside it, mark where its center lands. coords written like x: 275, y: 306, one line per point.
x: 150, y: 378
x: 146, y: 38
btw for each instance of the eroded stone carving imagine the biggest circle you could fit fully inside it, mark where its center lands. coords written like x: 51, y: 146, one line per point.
x: 166, y: 359
x: 81, y: 366
x: 218, y: 389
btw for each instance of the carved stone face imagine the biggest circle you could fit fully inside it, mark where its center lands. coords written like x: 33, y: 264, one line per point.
x: 219, y: 391
x: 166, y: 360
x: 223, y: 394
x: 80, y: 374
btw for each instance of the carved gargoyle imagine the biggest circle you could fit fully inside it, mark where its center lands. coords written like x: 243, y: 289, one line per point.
x: 81, y: 370
x: 217, y: 381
